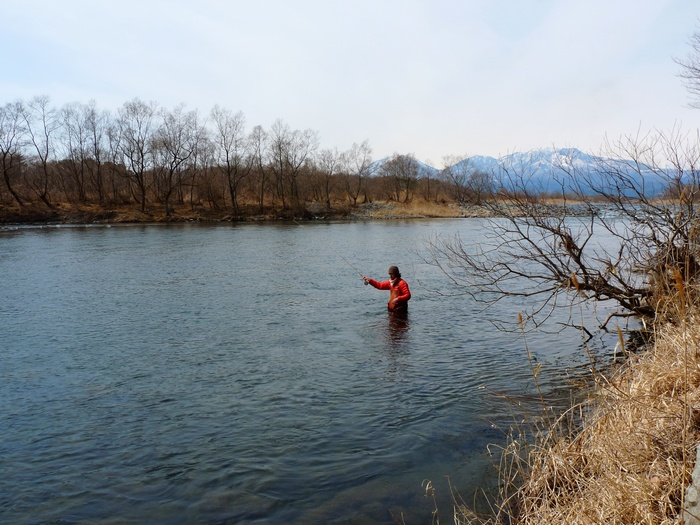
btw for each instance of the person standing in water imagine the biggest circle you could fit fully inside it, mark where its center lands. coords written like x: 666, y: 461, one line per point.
x: 400, y: 294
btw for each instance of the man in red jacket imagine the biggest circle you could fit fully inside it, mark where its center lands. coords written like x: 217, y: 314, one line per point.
x: 400, y: 294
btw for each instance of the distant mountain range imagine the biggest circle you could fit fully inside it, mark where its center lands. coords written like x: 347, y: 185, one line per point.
x: 548, y: 170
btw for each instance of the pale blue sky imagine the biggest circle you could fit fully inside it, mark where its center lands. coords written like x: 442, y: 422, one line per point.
x: 432, y: 78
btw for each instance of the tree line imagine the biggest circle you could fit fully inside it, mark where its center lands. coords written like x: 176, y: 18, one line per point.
x: 145, y: 154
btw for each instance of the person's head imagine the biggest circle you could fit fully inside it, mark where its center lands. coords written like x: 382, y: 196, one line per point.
x: 394, y: 272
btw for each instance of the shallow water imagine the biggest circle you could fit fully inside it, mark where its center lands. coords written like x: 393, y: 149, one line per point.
x: 243, y: 374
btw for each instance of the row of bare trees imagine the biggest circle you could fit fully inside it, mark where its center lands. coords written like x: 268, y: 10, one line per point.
x: 145, y: 153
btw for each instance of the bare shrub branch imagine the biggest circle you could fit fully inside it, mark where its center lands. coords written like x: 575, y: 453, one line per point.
x: 618, y: 232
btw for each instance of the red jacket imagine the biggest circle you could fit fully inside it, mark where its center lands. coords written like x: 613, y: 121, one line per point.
x: 399, y: 291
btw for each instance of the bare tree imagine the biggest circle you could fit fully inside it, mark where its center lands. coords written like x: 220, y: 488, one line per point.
x: 96, y: 125
x: 302, y: 148
x: 42, y: 122
x: 80, y: 154
x: 232, y: 150
x: 116, y: 170
x: 201, y: 163
x: 359, y: 162
x: 259, y: 146
x: 11, y: 142
x: 209, y: 186
x: 76, y: 144
x: 611, y: 238
x: 330, y: 163
x: 402, y: 171
x: 480, y: 186
x: 690, y: 72
x: 428, y: 183
x: 278, y: 144
x: 137, y: 125
x: 288, y: 152
x: 455, y: 172
x: 174, y: 142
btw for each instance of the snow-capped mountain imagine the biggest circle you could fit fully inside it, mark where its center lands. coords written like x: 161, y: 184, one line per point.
x: 548, y: 170
x: 535, y: 163
x: 567, y: 169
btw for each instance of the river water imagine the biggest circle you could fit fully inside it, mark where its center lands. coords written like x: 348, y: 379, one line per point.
x: 243, y: 374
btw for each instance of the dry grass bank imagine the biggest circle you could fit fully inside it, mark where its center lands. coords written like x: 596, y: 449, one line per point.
x: 624, y: 456
x: 415, y: 210
x: 95, y: 214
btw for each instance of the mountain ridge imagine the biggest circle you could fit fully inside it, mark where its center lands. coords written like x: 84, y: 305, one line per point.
x: 549, y: 170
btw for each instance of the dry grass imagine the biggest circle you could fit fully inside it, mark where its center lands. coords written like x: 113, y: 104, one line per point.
x: 411, y: 210
x: 94, y: 213
x: 432, y: 209
x: 624, y: 456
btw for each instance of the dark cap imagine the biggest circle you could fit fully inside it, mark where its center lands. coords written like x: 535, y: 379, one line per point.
x: 394, y: 270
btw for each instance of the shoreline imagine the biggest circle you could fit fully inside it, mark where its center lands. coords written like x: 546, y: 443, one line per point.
x: 627, y: 454
x: 96, y: 214
x: 67, y: 213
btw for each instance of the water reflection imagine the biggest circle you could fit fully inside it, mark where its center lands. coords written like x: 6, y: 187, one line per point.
x: 318, y: 411
x: 398, y: 326
x: 397, y: 343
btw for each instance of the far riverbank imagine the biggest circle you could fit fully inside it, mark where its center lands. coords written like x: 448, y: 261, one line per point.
x: 66, y: 213
x: 69, y: 213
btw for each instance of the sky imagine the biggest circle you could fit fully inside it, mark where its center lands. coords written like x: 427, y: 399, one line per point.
x: 432, y: 78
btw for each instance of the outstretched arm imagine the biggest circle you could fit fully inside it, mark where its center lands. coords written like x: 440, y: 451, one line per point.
x: 379, y: 285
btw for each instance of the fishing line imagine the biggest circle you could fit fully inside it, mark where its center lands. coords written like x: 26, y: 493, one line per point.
x: 358, y: 272
x: 348, y: 263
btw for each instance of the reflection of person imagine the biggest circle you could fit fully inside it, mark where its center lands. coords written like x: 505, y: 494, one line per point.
x: 398, y: 327
x: 400, y: 294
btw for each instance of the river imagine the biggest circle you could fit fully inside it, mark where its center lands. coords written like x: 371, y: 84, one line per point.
x: 242, y: 373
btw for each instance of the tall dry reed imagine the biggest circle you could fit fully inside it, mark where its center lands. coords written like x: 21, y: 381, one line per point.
x: 625, y: 455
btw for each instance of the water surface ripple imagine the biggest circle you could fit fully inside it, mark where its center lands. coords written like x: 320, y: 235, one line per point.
x: 243, y: 374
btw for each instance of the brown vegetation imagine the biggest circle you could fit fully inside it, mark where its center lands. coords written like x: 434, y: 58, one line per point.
x: 626, y: 454
x: 149, y: 163
x: 623, y: 456
x: 66, y: 213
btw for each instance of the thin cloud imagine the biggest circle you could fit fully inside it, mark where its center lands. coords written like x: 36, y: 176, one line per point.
x: 428, y: 78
